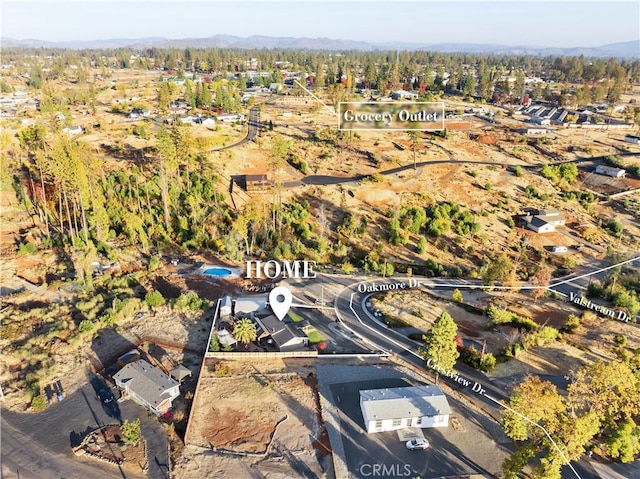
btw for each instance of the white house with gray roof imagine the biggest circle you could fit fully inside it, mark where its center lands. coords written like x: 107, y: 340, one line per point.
x: 148, y: 386
x: 545, y: 221
x: 398, y: 408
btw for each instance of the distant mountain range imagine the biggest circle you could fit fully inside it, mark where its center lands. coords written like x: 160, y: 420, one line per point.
x: 622, y: 50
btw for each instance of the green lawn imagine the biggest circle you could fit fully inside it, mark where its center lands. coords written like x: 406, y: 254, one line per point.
x: 296, y: 317
x: 314, y: 336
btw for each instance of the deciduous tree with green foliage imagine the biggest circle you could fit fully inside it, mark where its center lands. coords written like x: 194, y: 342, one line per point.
x: 131, y: 432
x: 154, y: 299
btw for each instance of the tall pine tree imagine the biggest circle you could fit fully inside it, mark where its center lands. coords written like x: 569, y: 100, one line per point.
x: 440, y: 343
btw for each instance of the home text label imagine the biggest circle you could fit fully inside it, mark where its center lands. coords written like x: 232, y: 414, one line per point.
x: 276, y: 269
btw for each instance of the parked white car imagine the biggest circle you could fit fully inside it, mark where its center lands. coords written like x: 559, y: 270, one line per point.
x: 416, y: 444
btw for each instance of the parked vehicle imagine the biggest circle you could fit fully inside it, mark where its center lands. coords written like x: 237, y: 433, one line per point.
x: 559, y: 249
x: 416, y: 444
x: 105, y: 396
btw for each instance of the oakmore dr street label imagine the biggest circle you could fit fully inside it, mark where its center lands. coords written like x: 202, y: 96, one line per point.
x: 585, y: 303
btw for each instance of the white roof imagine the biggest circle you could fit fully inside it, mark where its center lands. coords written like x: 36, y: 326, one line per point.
x: 249, y: 304
x: 225, y: 338
x: 404, y: 402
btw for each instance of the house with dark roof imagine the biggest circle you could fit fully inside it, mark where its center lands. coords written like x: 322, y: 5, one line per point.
x: 284, y: 337
x: 257, y: 183
x: 148, y: 386
x: 389, y: 409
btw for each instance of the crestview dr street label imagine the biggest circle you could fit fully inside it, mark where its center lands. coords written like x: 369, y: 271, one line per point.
x: 455, y: 377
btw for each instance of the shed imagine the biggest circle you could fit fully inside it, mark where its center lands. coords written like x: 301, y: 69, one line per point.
x: 180, y: 372
x: 225, y: 306
x: 225, y: 338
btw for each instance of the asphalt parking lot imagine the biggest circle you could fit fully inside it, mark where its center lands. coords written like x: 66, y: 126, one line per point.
x: 63, y: 425
x: 472, y: 449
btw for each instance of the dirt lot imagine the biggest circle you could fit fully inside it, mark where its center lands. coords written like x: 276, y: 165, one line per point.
x: 260, y: 415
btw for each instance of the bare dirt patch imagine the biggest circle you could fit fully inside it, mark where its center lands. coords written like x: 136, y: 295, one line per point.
x: 257, y: 416
x: 106, y: 444
x: 420, y: 310
x: 555, y: 359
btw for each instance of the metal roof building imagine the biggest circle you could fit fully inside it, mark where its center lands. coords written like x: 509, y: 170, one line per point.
x: 398, y: 408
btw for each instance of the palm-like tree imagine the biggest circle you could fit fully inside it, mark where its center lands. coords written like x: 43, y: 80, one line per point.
x: 245, y: 331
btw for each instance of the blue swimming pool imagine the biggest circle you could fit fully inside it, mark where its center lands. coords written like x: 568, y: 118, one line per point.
x: 218, y: 272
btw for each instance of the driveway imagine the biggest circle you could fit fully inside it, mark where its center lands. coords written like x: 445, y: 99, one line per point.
x: 33, y: 443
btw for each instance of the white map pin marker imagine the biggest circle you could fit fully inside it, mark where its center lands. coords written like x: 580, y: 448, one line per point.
x: 280, y: 300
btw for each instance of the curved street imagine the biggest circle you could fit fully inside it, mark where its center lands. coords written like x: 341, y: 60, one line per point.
x: 254, y: 127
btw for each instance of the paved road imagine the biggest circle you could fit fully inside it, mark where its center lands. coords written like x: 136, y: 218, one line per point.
x: 323, y: 180
x: 254, y: 127
x: 578, y: 282
x: 39, y: 445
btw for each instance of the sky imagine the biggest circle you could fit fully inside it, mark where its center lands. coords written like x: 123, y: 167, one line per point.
x: 532, y: 23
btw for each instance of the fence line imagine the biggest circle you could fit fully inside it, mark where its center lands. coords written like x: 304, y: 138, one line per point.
x: 254, y: 355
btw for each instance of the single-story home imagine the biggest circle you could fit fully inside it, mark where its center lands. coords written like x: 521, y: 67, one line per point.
x: 283, y: 336
x: 404, y: 95
x: 187, y: 120
x: 206, y: 121
x: 534, y: 131
x: 540, y: 121
x: 390, y: 409
x: 148, y: 386
x: 545, y: 221
x: 611, y: 171
x: 140, y: 113
x: 230, y: 117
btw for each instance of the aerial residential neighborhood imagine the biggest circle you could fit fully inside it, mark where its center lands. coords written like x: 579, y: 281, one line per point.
x: 285, y: 240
